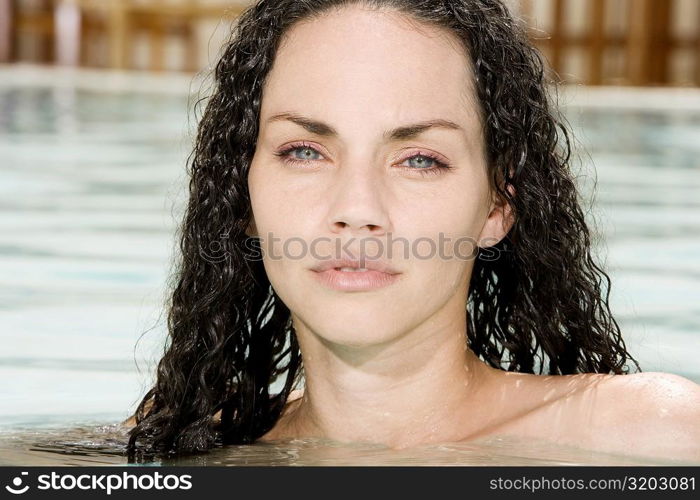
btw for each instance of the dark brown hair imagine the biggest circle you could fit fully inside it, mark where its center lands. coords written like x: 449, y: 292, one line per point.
x: 540, y: 307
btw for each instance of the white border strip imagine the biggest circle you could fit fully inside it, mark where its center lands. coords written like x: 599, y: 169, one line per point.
x: 579, y: 96
x: 33, y: 76
x: 636, y: 98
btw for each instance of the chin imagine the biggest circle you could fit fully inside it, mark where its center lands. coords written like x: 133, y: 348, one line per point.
x: 354, y: 328
x: 352, y: 319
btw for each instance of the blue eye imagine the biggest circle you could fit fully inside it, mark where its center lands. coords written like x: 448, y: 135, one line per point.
x: 305, y: 153
x: 299, y: 153
x: 423, y: 163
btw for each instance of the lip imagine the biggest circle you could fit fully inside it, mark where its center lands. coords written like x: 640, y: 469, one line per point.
x: 379, y: 274
x: 372, y: 265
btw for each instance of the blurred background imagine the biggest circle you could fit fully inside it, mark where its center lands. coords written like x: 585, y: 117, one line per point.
x: 595, y: 42
x: 96, y: 122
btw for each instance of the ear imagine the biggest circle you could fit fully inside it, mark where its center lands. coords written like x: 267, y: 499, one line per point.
x: 499, y: 221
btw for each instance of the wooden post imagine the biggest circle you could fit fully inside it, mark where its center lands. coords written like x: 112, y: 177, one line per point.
x: 156, y: 36
x: 638, y: 42
x: 697, y: 51
x: 118, y: 33
x: 6, y: 29
x: 597, y: 42
x: 191, y: 44
x: 45, y: 31
x: 660, y: 26
x: 557, y: 40
x: 191, y: 49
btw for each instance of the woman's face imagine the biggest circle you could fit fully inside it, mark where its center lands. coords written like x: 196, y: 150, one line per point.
x: 342, y: 170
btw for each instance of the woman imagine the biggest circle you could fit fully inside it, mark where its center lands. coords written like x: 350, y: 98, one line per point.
x: 422, y: 245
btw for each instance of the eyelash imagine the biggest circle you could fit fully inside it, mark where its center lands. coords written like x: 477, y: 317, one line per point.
x: 440, y: 166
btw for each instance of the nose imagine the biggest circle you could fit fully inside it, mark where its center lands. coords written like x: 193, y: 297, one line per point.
x: 357, y: 203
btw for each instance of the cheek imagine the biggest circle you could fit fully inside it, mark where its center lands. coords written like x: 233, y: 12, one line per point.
x: 274, y: 207
x: 444, y: 232
x: 269, y: 215
x: 282, y: 219
x: 445, y: 226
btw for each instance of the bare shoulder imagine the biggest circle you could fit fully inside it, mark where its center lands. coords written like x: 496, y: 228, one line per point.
x: 651, y: 413
x: 658, y: 395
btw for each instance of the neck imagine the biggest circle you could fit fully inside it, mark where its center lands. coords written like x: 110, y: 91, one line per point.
x: 424, y: 387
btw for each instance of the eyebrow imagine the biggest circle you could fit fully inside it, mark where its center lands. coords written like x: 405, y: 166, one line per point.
x: 400, y: 133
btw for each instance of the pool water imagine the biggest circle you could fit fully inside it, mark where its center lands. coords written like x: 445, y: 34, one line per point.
x: 92, y: 185
x: 104, y: 445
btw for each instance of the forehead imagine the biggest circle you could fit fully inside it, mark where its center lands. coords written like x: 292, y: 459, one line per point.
x: 378, y: 63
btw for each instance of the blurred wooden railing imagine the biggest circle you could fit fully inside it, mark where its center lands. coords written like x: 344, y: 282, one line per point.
x: 627, y: 42
x: 101, y: 32
x: 622, y: 42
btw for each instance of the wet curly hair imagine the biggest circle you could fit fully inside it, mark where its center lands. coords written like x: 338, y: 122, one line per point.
x: 541, y: 306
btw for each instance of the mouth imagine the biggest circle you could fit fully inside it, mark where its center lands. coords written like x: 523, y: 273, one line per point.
x: 355, y: 266
x: 348, y: 276
x: 355, y: 280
